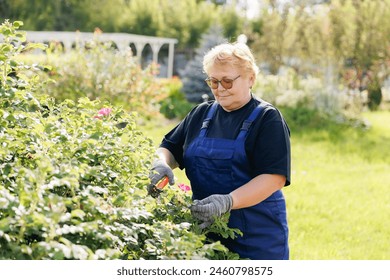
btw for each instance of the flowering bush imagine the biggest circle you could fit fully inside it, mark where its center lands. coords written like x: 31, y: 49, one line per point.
x: 309, y: 94
x: 104, y: 112
x: 73, y: 186
x: 184, y: 187
x: 98, y: 71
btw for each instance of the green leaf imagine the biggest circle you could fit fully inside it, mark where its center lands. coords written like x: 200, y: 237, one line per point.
x: 17, y: 24
x: 77, y: 213
x: 30, y: 46
x: 97, y: 135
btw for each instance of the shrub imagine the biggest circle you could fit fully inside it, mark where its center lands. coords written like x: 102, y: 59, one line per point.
x: 310, y: 97
x: 175, y: 104
x: 73, y: 179
x: 374, y: 94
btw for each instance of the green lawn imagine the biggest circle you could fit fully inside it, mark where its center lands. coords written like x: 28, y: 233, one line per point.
x: 338, y: 202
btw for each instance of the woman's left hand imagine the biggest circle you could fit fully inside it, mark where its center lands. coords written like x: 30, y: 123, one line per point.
x: 213, y: 205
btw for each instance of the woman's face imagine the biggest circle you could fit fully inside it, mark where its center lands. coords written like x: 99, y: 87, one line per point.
x: 237, y: 96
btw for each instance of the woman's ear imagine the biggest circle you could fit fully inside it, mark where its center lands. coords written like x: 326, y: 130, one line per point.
x: 251, y: 81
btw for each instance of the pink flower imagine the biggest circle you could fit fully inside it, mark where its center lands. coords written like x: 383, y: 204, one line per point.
x: 184, y: 187
x: 104, y: 112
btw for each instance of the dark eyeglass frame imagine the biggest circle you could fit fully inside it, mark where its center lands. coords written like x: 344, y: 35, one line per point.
x: 225, y: 82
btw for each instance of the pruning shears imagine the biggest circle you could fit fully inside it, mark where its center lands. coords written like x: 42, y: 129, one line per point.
x: 155, y: 190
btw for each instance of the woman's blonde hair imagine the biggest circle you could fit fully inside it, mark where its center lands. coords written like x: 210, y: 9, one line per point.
x: 234, y: 54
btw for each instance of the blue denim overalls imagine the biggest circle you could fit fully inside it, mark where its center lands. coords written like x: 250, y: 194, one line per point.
x: 219, y: 166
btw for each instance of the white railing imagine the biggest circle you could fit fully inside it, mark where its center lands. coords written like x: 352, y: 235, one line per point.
x: 122, y: 41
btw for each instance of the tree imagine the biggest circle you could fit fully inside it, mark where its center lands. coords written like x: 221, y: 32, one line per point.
x: 270, y: 45
x: 361, y: 38
x: 330, y: 36
x: 142, y: 17
x: 231, y: 22
x: 193, y: 77
x: 61, y: 15
x: 186, y: 20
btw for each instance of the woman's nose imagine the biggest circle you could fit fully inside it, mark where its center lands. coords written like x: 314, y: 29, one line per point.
x: 220, y: 86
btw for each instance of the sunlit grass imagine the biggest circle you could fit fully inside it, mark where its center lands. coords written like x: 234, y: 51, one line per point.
x: 339, y: 202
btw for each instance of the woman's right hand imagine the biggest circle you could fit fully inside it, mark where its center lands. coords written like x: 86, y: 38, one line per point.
x: 160, y: 169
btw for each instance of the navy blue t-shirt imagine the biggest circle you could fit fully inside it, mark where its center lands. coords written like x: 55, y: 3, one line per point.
x: 267, y: 145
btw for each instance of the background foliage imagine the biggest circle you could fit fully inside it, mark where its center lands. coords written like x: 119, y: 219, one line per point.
x: 194, y: 86
x: 328, y: 41
x: 185, y: 20
x: 340, y: 41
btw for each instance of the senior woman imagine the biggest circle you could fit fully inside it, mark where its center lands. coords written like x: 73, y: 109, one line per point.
x: 236, y: 153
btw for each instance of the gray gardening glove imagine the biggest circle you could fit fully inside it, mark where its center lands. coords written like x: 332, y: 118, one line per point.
x: 212, y: 206
x: 159, y: 170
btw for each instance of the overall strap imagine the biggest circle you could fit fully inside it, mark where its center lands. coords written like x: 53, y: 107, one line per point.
x: 207, y: 120
x: 248, y: 122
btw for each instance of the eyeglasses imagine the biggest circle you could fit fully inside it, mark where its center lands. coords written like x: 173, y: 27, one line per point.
x: 225, y: 82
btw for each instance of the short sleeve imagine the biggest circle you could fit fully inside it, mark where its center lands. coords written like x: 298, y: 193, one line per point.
x: 268, y: 147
